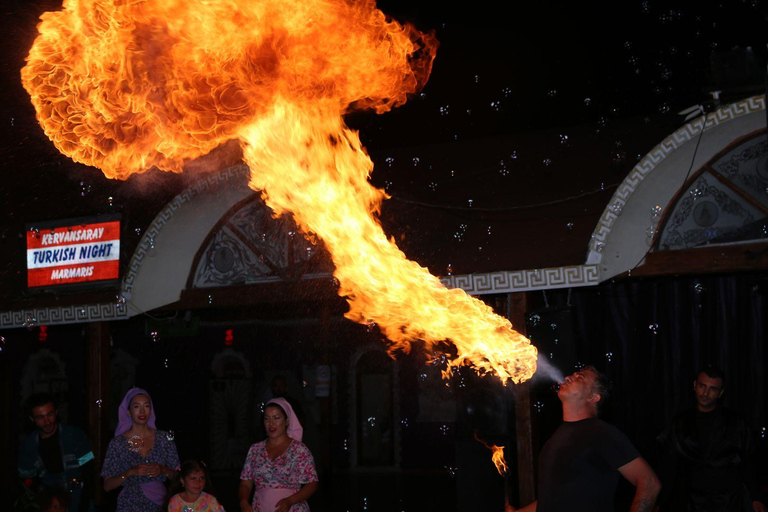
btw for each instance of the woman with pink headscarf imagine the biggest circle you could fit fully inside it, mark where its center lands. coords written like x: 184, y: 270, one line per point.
x: 281, y: 468
x: 139, y: 458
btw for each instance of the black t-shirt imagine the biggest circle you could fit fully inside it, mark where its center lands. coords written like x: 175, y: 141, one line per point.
x: 578, y: 467
x: 50, y: 453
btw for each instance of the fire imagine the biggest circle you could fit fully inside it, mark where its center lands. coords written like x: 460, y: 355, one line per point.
x: 128, y: 86
x: 497, y: 457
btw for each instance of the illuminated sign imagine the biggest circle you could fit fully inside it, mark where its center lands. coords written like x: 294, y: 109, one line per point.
x: 73, y: 251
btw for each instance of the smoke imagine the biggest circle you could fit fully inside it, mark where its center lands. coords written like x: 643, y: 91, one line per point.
x: 547, y: 371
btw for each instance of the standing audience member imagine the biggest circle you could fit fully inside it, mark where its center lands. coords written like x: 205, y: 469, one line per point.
x: 56, y: 454
x: 139, y: 458
x: 580, y: 465
x: 281, y: 467
x: 191, y: 490
x: 707, y: 459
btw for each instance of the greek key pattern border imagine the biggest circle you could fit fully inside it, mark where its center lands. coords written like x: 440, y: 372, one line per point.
x: 60, y: 315
x: 234, y: 172
x: 525, y: 280
x: 659, y: 153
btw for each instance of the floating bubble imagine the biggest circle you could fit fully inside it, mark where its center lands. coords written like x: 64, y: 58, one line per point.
x: 496, y: 105
x: 445, y: 110
x: 699, y: 288
x: 489, y: 230
x: 210, y: 299
x: 30, y: 321
x: 415, y: 161
x: 154, y: 335
x: 449, y: 270
x: 569, y: 225
x: 587, y: 101
x: 534, y: 319
x: 513, y: 155
x: 507, y: 91
x: 451, y: 470
x: 109, y: 201
x: 423, y: 376
x: 99, y: 402
x: 650, y: 232
x: 119, y: 300
x: 547, y: 161
x: 627, y: 45
x: 599, y: 246
x: 618, y: 207
x: 655, y: 212
x: 551, y: 355
x: 2, y: 342
x: 552, y: 93
x: 345, y: 445
x: 170, y: 435
x: 444, y: 429
x: 372, y: 421
x: 433, y: 186
x: 654, y: 328
x: 165, y: 364
x: 664, y: 108
x: 609, y: 356
x: 469, y: 202
x: 84, y: 188
x: 477, y: 78
x: 539, y: 406
x: 563, y: 138
x: 404, y: 422
x: 389, y: 160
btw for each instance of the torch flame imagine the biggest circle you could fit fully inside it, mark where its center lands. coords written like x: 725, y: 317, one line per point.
x: 497, y: 456
x: 128, y: 86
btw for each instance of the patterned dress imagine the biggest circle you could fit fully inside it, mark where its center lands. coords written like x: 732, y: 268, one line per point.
x: 119, y: 458
x: 290, y: 470
x: 205, y: 503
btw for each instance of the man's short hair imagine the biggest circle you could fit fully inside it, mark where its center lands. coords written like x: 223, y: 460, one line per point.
x: 601, y: 386
x: 38, y: 399
x: 713, y: 372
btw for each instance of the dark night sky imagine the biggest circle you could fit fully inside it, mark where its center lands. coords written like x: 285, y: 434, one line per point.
x: 561, y: 83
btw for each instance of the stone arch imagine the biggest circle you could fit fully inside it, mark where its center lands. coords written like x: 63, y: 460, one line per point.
x: 628, y: 227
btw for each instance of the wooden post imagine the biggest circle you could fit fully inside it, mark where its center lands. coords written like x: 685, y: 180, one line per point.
x: 98, y: 398
x: 525, y: 466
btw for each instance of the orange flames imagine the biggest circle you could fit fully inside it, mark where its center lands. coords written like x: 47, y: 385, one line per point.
x: 497, y: 457
x: 128, y: 86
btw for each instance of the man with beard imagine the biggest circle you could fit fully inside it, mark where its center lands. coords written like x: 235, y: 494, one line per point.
x: 57, y: 455
x: 580, y: 465
x: 707, y: 455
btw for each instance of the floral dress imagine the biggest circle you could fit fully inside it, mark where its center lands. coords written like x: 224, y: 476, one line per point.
x: 290, y: 470
x: 120, y: 458
x: 205, y: 503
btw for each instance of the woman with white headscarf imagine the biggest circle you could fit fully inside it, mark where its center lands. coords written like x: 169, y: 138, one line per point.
x: 139, y: 458
x: 281, y: 468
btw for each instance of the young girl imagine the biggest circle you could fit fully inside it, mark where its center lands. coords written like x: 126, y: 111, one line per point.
x: 188, y: 490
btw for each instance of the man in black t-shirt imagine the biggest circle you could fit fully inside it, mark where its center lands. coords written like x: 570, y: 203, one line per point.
x: 57, y: 455
x: 580, y: 465
x: 707, y: 463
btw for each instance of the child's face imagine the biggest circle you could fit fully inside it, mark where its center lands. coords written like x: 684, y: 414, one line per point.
x: 194, y: 482
x: 56, y: 506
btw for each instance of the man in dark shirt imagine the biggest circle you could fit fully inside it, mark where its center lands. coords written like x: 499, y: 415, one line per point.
x: 707, y: 455
x: 57, y: 455
x: 580, y: 465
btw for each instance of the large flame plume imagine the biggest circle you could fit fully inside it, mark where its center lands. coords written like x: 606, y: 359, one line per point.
x: 129, y: 86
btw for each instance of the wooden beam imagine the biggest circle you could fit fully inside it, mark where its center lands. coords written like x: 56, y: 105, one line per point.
x: 523, y: 424
x: 705, y: 260
x: 98, y: 398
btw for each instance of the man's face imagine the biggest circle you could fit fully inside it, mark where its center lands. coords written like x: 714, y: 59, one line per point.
x: 579, y: 386
x: 44, y: 416
x: 707, y: 390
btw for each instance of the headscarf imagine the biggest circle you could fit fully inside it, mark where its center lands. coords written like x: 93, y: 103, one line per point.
x: 295, y: 431
x: 124, y: 422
